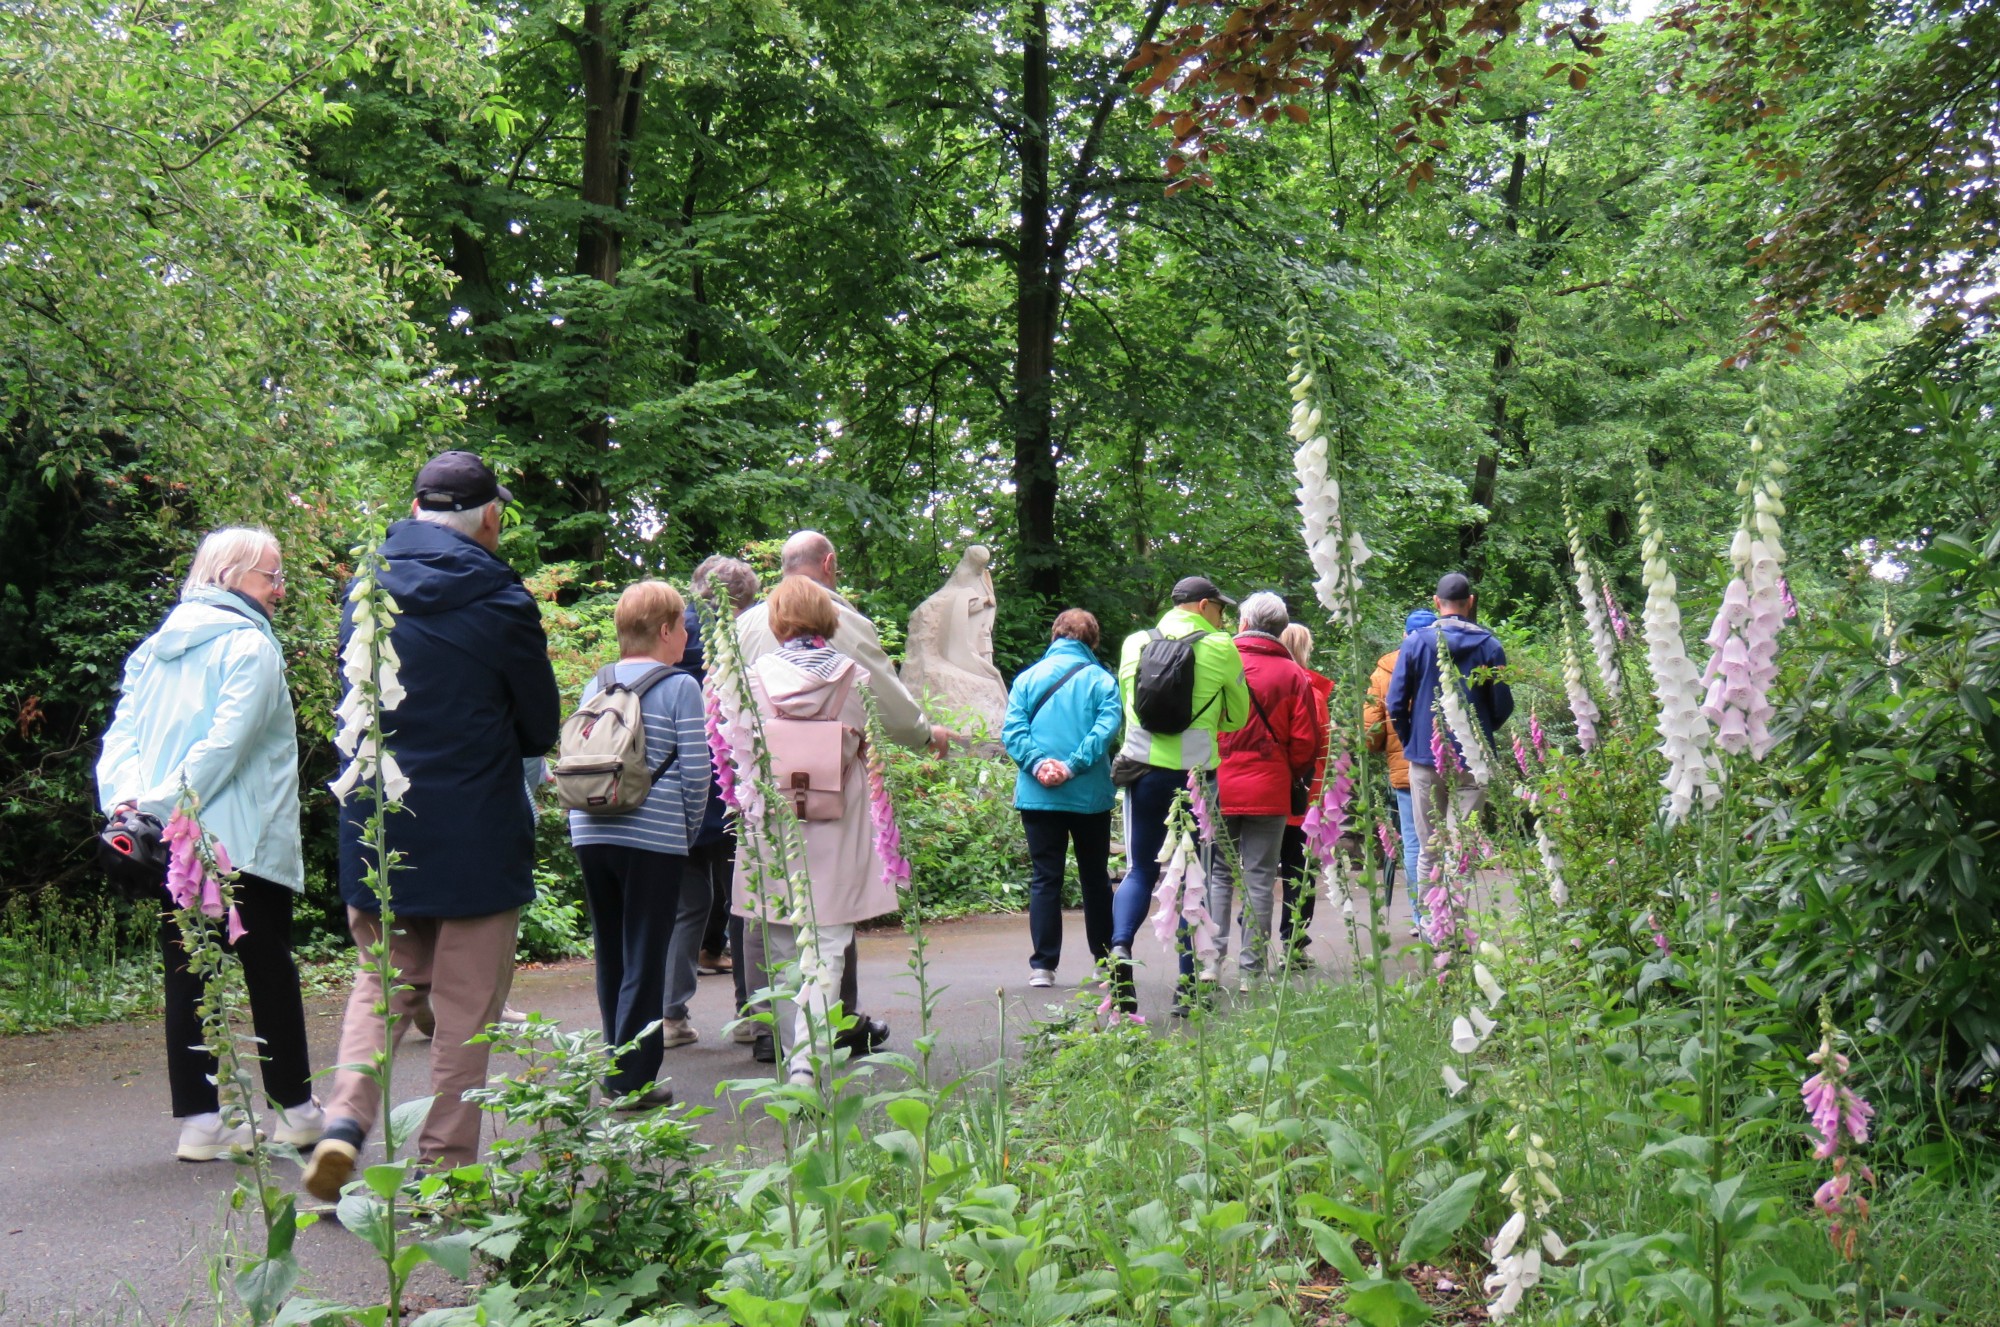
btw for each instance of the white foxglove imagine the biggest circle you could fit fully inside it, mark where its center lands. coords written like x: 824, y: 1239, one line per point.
x: 1471, y: 737
x: 1336, y: 554
x: 1454, y: 1082
x: 1481, y: 1023
x: 1578, y: 691
x: 1463, y: 1039
x: 1602, y: 640
x: 1683, y: 728
x: 1482, y: 977
x: 1551, y: 864
x: 369, y: 663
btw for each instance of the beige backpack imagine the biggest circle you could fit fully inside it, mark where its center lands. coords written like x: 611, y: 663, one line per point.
x: 601, y: 766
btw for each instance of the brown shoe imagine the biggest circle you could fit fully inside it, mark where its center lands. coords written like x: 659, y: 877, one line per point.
x: 332, y: 1165
x: 711, y: 964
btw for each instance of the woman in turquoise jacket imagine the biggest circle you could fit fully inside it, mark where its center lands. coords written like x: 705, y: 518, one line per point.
x: 205, y: 707
x: 1063, y: 720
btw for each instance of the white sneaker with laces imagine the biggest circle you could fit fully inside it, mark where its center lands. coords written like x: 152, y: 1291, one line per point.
x: 677, y: 1032
x: 204, y: 1138
x: 1041, y: 978
x: 299, y: 1126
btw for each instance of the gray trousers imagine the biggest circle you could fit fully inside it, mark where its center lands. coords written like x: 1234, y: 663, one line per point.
x: 684, y: 946
x: 1430, y: 802
x: 1260, y: 843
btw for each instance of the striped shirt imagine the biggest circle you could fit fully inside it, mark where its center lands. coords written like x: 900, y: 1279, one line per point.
x: 671, y: 817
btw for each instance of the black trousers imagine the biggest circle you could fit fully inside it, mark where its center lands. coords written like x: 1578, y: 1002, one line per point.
x: 1300, y: 899
x: 1050, y: 834
x: 718, y: 859
x: 633, y: 896
x: 277, y: 1009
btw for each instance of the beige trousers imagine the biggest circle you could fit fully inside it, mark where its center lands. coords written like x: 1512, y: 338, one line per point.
x: 465, y: 965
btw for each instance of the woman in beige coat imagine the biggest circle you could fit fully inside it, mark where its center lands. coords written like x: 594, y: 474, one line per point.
x: 813, y: 874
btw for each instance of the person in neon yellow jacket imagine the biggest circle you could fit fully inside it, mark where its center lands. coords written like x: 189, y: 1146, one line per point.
x: 1152, y: 767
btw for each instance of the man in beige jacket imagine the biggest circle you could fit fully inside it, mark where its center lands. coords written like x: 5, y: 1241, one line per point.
x: 811, y: 554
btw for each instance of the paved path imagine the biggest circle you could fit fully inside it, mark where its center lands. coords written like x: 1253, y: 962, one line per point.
x: 97, y: 1216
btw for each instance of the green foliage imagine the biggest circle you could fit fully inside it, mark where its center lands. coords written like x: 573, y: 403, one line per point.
x: 1881, y: 880
x: 65, y: 964
x: 960, y: 831
x: 578, y: 1194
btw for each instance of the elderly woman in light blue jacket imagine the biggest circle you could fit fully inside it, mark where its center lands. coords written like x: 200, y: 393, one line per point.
x: 205, y: 708
x: 1064, y: 715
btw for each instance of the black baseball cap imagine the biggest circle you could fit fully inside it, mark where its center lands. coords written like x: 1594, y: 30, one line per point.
x: 1454, y: 587
x: 457, y: 481
x: 1194, y: 589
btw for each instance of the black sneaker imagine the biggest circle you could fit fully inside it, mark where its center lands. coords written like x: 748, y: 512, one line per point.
x: 867, y: 1036
x: 763, y: 1050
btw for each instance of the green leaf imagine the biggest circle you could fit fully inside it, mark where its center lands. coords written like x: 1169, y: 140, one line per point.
x: 405, y: 1120
x: 1385, y: 1303
x: 366, y: 1217
x: 453, y: 1252
x: 1437, y: 1222
x: 264, y: 1284
x: 1335, y: 1249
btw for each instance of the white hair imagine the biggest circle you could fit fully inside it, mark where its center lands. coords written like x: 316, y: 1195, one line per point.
x: 225, y: 555
x: 465, y: 522
x: 1265, y: 612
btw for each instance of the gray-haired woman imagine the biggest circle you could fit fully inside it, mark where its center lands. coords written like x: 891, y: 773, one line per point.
x: 205, y: 708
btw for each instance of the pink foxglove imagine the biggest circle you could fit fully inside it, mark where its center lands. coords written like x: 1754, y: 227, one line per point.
x: 1744, y: 637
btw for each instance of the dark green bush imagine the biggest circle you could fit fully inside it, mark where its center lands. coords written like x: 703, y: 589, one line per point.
x: 1882, y: 857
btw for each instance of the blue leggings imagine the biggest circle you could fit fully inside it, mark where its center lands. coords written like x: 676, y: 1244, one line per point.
x: 1147, y: 803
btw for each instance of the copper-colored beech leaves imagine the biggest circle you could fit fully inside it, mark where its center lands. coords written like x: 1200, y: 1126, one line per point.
x: 1270, y: 58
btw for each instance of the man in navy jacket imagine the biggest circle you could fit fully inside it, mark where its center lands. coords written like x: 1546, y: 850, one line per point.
x: 1411, y: 704
x: 480, y: 697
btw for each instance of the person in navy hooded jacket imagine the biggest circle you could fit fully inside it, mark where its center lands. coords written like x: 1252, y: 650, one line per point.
x: 1412, y: 691
x: 480, y: 698
x: 1063, y: 719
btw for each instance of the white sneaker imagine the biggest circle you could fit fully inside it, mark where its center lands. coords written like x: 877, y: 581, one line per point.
x: 509, y: 1014
x: 1041, y: 977
x: 203, y: 1138
x: 300, y: 1126
x: 746, y: 1031
x: 677, y: 1032
x: 1207, y: 973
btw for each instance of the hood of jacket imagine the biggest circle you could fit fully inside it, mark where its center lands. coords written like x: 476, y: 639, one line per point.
x: 1249, y: 643
x: 1466, y: 640
x: 433, y: 569
x: 794, y: 692
x: 202, y: 616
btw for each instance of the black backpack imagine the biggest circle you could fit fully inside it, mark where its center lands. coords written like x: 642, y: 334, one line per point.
x: 1163, y: 692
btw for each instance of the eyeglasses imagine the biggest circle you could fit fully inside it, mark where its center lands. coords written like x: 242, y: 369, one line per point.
x: 275, y: 577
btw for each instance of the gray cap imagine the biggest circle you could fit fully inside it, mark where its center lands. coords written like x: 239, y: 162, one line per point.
x: 1454, y: 587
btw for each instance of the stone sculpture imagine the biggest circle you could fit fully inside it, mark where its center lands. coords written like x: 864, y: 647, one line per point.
x: 948, y: 657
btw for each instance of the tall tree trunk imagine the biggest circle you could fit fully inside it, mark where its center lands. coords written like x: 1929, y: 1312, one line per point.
x: 1037, y: 555
x: 1506, y: 327
x: 611, y: 105
x: 1041, y: 266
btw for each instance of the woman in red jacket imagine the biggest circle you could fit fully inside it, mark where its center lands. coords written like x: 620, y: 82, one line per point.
x: 1262, y: 762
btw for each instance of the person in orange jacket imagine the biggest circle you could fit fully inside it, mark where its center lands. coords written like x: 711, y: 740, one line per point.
x: 1382, y: 737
